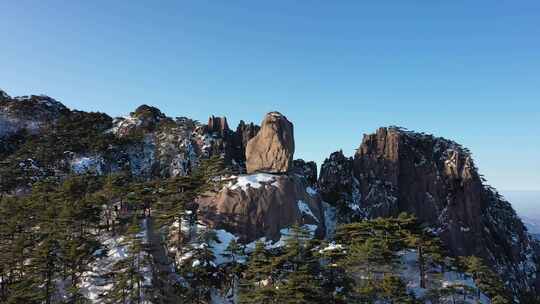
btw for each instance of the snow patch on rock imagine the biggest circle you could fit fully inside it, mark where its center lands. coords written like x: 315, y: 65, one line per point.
x: 87, y: 164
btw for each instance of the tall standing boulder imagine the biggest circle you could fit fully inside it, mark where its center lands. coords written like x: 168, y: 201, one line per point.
x: 272, y: 149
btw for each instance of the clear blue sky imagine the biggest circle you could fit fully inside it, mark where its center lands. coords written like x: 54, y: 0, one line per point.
x: 466, y: 70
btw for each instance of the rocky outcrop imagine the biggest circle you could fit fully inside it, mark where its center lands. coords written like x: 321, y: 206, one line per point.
x: 306, y: 169
x: 272, y: 149
x: 143, y: 120
x: 336, y: 179
x: 396, y: 170
x: 261, y: 205
x: 28, y: 113
x: 4, y: 96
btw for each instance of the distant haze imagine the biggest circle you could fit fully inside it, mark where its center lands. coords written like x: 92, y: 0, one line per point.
x: 524, y: 202
x: 527, y: 206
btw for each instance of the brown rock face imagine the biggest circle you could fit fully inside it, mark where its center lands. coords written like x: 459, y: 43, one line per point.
x: 260, y: 205
x: 432, y: 178
x: 272, y: 149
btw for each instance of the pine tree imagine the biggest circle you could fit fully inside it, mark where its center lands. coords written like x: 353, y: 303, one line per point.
x: 257, y: 286
x: 428, y: 247
x: 485, y: 279
x: 393, y: 290
x: 129, y: 273
x: 233, y: 268
x: 200, y: 270
x: 336, y: 282
x: 299, y: 269
x: 78, y: 220
x: 114, y: 188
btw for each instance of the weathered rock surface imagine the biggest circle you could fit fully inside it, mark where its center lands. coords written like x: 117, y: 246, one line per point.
x: 272, y: 149
x: 260, y: 205
x: 395, y: 171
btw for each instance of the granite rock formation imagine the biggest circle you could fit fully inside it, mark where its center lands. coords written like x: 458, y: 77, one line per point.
x: 272, y: 149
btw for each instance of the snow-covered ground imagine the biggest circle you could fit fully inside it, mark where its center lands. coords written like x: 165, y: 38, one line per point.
x: 87, y: 164
x: 253, y: 180
x: 97, y: 281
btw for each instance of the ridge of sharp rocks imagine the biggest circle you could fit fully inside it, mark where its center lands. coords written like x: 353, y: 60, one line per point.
x: 216, y: 138
x: 144, y: 119
x: 245, y: 133
x: 167, y: 147
x: 395, y: 170
x: 146, y: 143
x: 272, y: 149
x: 217, y: 125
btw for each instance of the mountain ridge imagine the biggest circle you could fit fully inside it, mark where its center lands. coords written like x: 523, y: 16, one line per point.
x: 394, y: 170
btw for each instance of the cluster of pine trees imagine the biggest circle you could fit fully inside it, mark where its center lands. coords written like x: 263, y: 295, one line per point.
x: 364, y: 267
x: 47, y: 237
x: 50, y: 237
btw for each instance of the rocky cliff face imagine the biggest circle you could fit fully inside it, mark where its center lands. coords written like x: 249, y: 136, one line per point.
x: 395, y: 171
